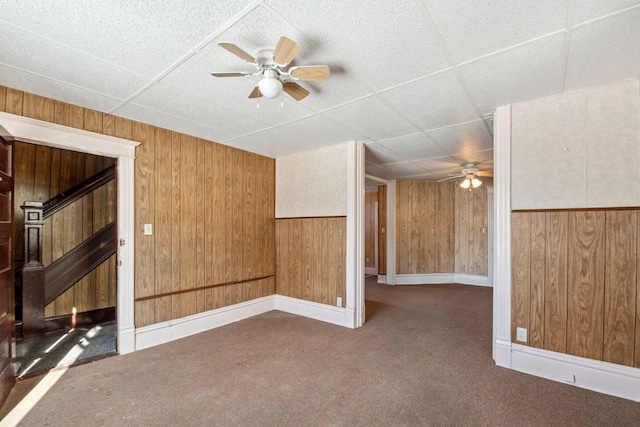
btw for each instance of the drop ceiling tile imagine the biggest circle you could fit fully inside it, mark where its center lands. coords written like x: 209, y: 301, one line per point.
x: 371, y: 117
x: 587, y: 10
x: 378, y: 154
x: 463, y: 138
x: 414, y: 146
x: 395, y: 34
x: 101, y: 29
x: 61, y: 63
x: 438, y: 164
x: 377, y: 171
x: 436, y: 101
x: 482, y: 159
x: 178, y: 124
x: 527, y: 72
x: 194, y: 77
x: 320, y: 129
x: 34, y: 83
x: 604, y: 51
x: 404, y: 169
x: 259, y: 29
x: 247, y: 144
x: 189, y: 21
x: 472, y: 29
x: 164, y: 99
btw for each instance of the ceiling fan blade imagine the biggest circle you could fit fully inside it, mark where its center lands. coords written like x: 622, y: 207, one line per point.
x: 231, y: 74
x: 237, y: 51
x: 296, y: 91
x: 285, y: 51
x: 255, y: 93
x: 310, y: 72
x: 451, y: 177
x: 487, y: 174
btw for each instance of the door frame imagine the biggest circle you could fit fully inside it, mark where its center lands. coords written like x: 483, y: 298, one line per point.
x: 33, y: 131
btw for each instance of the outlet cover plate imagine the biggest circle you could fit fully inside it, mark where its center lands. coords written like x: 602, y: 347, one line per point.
x: 521, y: 334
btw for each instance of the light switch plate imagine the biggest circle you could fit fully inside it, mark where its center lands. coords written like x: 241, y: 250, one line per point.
x: 148, y: 229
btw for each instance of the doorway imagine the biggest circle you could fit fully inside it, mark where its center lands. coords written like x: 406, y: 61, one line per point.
x: 71, y: 319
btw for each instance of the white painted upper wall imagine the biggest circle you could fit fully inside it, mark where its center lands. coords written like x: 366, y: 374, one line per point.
x: 313, y: 183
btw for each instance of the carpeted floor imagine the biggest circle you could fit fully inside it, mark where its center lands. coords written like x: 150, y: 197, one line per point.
x: 423, y: 358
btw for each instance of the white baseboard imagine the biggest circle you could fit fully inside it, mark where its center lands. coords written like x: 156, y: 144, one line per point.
x: 160, y: 333
x: 602, y: 377
x: 442, y: 278
x: 326, y: 313
x: 370, y: 270
x: 126, y: 340
x: 382, y: 278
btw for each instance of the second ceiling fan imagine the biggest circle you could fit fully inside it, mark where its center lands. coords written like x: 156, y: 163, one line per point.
x: 271, y: 65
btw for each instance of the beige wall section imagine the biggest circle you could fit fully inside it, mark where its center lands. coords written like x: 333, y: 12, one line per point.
x: 212, y: 208
x: 577, y: 150
x: 370, y: 231
x: 313, y: 183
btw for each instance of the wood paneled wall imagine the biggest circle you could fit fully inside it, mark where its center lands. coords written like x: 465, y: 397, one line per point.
x: 471, y: 230
x: 425, y: 225
x: 311, y: 258
x: 575, y: 282
x: 211, y: 207
x: 43, y: 172
x: 370, y: 230
x: 382, y: 229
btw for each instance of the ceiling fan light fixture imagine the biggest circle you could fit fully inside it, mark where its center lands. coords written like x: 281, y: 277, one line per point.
x: 475, y: 183
x: 465, y: 184
x: 270, y: 85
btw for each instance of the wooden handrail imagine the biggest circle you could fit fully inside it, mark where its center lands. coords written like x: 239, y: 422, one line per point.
x: 77, y: 263
x: 64, y: 199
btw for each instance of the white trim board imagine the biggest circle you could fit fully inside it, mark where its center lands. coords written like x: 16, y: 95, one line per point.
x: 164, y: 332
x: 54, y: 135
x: 442, y: 278
x: 594, y: 375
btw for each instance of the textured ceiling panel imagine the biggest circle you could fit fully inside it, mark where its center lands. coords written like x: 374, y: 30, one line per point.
x: 526, y: 72
x: 415, y: 100
x: 463, y: 138
x: 476, y: 28
x: 384, y: 43
x: 103, y: 30
x: 414, y: 146
x: 412, y: 79
x: 587, y: 10
x: 605, y: 50
x: 64, y: 64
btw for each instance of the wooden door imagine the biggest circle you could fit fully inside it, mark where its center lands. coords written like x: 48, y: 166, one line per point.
x: 7, y: 303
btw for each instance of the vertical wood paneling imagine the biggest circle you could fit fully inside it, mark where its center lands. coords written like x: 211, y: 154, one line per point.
x: 520, y: 272
x: 620, y: 286
x: 555, y: 294
x: 370, y: 231
x: 188, y: 225
x: 636, y: 362
x: 382, y: 229
x: 162, y: 224
x: 311, y: 258
x: 176, y: 220
x: 144, y: 214
x: 192, y: 193
x: 586, y: 284
x: 537, y: 277
x: 402, y: 232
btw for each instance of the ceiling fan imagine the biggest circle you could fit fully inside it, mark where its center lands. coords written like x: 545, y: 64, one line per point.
x: 272, y: 65
x: 470, y: 174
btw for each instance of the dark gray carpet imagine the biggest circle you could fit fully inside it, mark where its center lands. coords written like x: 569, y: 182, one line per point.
x: 423, y: 358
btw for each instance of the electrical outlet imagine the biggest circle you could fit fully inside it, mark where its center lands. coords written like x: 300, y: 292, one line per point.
x: 148, y: 229
x: 339, y: 301
x: 521, y: 334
